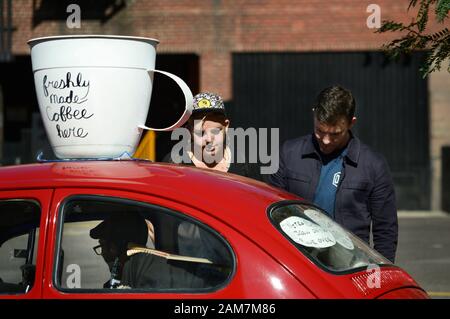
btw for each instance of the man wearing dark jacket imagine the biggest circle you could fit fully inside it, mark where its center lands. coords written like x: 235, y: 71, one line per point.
x: 335, y: 170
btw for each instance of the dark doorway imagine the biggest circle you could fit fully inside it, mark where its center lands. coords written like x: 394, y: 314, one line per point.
x: 278, y: 90
x: 167, y: 103
x: 19, y: 104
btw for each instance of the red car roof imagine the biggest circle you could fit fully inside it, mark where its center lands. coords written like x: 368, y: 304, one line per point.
x: 239, y: 202
x: 211, y: 191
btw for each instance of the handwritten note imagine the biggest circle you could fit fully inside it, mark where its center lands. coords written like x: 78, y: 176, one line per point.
x: 307, y: 233
x: 338, y: 232
x: 67, y: 99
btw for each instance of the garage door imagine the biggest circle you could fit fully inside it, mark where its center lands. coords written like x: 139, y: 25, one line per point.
x: 277, y: 90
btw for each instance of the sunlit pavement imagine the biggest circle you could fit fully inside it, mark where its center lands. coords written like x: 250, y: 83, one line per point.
x: 424, y: 250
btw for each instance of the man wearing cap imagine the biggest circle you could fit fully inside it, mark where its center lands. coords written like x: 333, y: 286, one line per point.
x: 114, y: 234
x: 141, y: 270
x: 208, y: 126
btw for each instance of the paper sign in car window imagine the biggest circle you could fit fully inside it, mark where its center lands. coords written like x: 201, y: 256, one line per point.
x: 307, y: 233
x: 339, y: 234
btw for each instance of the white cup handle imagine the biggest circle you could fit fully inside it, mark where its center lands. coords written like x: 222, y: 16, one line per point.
x: 189, y: 99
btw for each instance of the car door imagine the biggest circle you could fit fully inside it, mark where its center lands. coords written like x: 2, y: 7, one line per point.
x: 187, y: 252
x: 23, y: 227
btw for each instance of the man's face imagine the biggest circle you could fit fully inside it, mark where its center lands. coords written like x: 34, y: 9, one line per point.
x: 332, y: 137
x: 109, y: 251
x: 209, y: 137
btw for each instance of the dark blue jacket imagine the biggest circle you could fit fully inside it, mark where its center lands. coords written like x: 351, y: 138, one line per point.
x: 365, y: 193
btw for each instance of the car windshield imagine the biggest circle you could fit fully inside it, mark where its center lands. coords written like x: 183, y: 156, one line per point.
x: 322, y: 240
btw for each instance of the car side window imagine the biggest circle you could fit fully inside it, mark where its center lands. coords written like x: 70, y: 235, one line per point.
x: 19, y: 233
x: 118, y: 245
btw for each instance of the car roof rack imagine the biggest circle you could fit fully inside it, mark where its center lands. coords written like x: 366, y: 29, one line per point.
x: 124, y: 157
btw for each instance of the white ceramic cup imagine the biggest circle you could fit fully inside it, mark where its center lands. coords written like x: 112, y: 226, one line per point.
x: 94, y: 92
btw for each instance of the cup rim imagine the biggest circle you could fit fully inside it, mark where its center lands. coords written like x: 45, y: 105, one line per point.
x: 35, y: 41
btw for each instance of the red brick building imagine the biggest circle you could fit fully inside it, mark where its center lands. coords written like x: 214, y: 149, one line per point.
x: 214, y: 37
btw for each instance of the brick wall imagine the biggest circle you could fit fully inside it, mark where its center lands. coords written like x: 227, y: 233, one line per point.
x: 214, y: 29
x: 439, y: 86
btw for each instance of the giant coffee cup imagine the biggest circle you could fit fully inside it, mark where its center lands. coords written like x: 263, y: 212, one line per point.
x: 94, y: 92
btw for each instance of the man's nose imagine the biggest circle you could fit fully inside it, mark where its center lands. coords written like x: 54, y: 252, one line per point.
x: 326, y: 139
x: 209, y: 137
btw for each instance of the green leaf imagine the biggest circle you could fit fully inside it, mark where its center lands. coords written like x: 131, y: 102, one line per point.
x: 438, y: 43
x: 439, y: 35
x: 390, y: 26
x: 412, y: 4
x: 442, y: 9
x: 422, y: 15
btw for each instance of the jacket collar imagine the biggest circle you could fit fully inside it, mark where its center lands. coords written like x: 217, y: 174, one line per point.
x: 311, y: 149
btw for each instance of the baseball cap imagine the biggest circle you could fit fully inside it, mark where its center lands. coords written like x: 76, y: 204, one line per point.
x: 129, y: 228
x: 208, y: 102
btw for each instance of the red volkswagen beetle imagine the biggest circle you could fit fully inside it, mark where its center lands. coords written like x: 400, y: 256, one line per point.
x: 206, y: 235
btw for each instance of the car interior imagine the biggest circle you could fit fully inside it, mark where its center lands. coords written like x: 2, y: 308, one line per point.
x: 19, y: 232
x: 181, y: 254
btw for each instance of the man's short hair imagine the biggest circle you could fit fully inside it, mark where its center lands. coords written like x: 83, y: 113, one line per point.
x: 333, y: 103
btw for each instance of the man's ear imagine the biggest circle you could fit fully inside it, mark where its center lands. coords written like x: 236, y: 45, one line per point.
x: 352, y: 122
x: 227, y: 125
